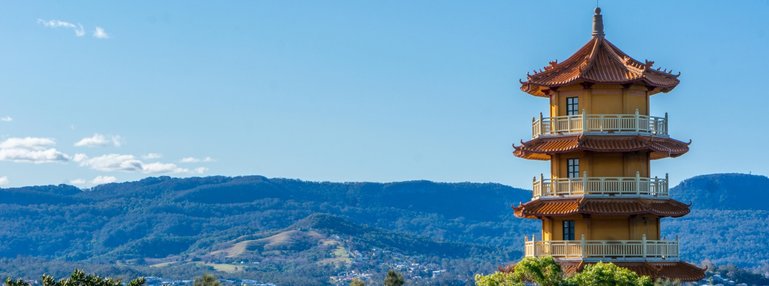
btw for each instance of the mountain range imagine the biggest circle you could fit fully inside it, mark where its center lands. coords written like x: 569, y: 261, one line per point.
x: 296, y: 232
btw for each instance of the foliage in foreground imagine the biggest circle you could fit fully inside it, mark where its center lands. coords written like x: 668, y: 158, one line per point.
x: 206, y: 280
x: 545, y: 271
x: 393, y: 278
x: 78, y: 278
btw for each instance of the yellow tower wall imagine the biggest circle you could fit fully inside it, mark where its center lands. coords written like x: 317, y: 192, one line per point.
x: 603, y: 164
x: 604, y: 228
x: 602, y: 99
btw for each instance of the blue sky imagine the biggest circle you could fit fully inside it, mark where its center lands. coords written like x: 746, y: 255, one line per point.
x: 349, y: 90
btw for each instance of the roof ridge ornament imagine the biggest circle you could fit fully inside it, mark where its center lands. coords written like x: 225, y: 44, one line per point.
x: 598, y: 23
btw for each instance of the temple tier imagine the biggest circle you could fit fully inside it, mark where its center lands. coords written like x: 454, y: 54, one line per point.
x: 601, y: 201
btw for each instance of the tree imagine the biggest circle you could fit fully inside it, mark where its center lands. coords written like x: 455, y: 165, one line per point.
x: 78, y: 277
x: 608, y: 274
x: 497, y: 279
x: 206, y: 280
x: 357, y: 282
x: 667, y: 282
x: 545, y: 271
x: 393, y: 278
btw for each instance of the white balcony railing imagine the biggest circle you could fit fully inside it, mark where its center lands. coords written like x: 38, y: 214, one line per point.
x: 614, y: 249
x: 607, y: 186
x: 602, y: 123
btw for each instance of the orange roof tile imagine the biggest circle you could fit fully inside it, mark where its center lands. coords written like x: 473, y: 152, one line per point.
x: 601, y: 207
x: 541, y: 148
x: 672, y: 270
x: 599, y: 61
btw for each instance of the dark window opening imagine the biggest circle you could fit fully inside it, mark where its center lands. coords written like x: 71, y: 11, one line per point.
x: 568, y: 230
x: 572, y: 168
x: 572, y: 106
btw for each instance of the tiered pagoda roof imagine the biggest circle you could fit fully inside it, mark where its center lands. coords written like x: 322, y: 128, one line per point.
x: 600, y: 207
x: 659, y: 147
x: 599, y: 62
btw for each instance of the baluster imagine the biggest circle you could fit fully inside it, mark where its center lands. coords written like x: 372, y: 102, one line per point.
x: 600, y: 188
x: 600, y: 122
x: 637, y: 120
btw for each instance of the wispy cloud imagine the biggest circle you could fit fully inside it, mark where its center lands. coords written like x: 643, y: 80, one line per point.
x: 129, y: 163
x: 196, y: 160
x: 99, y: 140
x: 31, y: 150
x: 110, y: 162
x: 103, y: 180
x: 56, y: 24
x: 100, y: 33
x: 152, y: 156
x: 159, y: 168
x: 4, y: 181
x: 98, y: 180
x: 6, y: 118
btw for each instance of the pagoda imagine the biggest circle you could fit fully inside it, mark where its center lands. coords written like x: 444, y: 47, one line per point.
x: 601, y: 202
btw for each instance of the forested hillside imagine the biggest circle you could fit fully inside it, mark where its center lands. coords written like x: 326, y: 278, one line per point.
x: 260, y: 228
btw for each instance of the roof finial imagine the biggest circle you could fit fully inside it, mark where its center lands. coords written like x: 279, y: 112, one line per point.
x: 598, y: 23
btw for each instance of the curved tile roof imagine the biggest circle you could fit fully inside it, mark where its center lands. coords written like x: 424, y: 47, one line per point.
x: 541, y: 148
x: 601, y: 207
x: 599, y: 62
x: 672, y: 270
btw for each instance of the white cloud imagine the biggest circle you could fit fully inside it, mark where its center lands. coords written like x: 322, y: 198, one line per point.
x: 27, y: 142
x: 100, y: 33
x: 79, y: 157
x: 6, y: 118
x: 55, y: 24
x: 4, y: 181
x: 98, y: 180
x: 111, y: 162
x: 31, y: 150
x: 103, y: 180
x: 196, y: 160
x: 200, y: 170
x: 157, y: 168
x: 152, y: 156
x: 129, y: 163
x: 99, y: 140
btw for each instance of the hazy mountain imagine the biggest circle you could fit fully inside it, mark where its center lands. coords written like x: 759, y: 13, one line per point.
x: 267, y: 228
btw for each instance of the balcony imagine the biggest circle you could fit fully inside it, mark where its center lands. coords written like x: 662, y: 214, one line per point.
x: 601, y: 186
x: 600, y: 123
x: 604, y: 249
